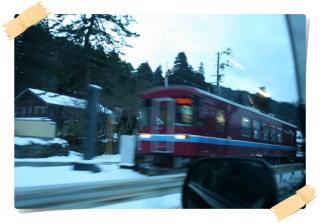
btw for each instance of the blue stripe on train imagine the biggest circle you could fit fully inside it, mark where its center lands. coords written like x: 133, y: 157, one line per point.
x: 215, y: 141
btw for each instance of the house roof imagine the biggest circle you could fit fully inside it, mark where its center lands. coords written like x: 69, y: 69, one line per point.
x: 62, y: 100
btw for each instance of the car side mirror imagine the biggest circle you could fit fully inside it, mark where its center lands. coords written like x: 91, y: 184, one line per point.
x: 229, y: 183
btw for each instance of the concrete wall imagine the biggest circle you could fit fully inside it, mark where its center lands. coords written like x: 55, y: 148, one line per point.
x: 34, y: 127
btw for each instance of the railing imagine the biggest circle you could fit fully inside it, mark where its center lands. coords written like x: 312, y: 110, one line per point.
x: 95, y: 194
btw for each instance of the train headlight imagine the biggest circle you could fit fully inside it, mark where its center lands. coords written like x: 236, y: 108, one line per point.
x: 145, y: 136
x: 180, y: 136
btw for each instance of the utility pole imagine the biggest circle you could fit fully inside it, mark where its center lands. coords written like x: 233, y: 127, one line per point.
x: 166, y: 79
x: 90, y: 128
x: 221, y: 66
x: 166, y: 76
x: 218, y: 74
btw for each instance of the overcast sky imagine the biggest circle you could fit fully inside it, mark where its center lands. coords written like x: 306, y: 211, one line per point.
x: 260, y: 45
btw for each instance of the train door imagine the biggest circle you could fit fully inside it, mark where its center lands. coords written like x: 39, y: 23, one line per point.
x: 162, y: 122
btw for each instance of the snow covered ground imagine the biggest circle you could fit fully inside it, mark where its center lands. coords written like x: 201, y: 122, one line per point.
x: 34, y: 176
x: 73, y: 157
x: 26, y: 176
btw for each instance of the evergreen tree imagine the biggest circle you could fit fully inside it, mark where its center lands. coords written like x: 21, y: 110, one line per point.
x: 158, y: 71
x: 144, y: 77
x: 118, y: 71
x: 144, y: 72
x: 201, y: 70
x: 181, y: 72
x: 91, y: 30
x: 94, y: 31
x: 180, y: 65
x: 158, y: 78
x: 116, y: 79
x: 35, y: 59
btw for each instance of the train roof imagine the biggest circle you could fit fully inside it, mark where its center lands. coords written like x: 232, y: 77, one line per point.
x: 193, y: 90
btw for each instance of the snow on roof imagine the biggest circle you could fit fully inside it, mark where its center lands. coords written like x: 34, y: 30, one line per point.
x: 95, y: 86
x: 64, y: 100
x: 33, y: 119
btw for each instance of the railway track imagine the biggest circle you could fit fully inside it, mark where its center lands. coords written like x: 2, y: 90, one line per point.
x: 95, y: 194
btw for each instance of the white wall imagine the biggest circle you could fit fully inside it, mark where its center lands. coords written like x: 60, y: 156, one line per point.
x: 34, y: 127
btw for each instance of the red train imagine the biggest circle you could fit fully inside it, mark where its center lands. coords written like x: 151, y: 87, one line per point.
x: 182, y: 123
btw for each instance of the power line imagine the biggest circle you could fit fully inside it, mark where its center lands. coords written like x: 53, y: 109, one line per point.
x: 183, y: 32
x: 203, y: 43
x: 168, y: 41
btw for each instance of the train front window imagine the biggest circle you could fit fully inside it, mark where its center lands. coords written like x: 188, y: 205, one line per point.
x: 163, y: 119
x: 184, y: 111
x: 184, y: 114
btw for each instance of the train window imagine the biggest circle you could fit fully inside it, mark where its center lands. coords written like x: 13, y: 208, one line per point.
x: 198, y: 110
x: 265, y: 132
x: 279, y: 135
x: 246, y: 127
x: 256, y: 125
x: 184, y: 114
x: 292, y: 137
x: 273, y: 134
x: 220, y: 121
x: 162, y: 120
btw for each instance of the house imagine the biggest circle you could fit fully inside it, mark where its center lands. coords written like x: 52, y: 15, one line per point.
x: 65, y: 110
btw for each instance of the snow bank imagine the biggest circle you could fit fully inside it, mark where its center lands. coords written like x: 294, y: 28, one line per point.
x: 23, y: 141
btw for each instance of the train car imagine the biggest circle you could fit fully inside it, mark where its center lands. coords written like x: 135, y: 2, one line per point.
x: 182, y: 123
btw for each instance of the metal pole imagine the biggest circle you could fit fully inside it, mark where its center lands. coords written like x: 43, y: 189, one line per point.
x: 166, y: 80
x: 90, y: 128
x: 93, y: 92
x: 218, y: 75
